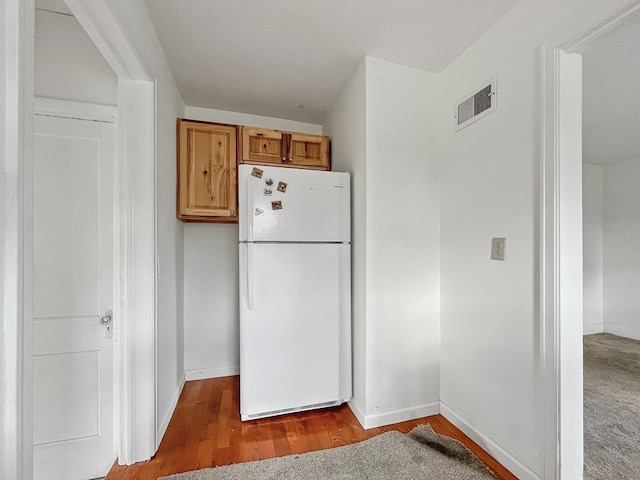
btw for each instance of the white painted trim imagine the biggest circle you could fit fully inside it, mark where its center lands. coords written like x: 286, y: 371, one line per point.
x: 156, y: 272
x: 164, y: 424
x: 217, y: 372
x: 137, y: 265
x: 104, y: 29
x: 561, y: 257
x: 52, y: 107
x: 570, y: 262
x: 622, y: 331
x: 135, y: 231
x: 585, y: 39
x: 548, y: 344
x: 16, y: 236
x: 512, y: 464
x: 395, y: 416
x: 593, y: 329
x: 357, y: 411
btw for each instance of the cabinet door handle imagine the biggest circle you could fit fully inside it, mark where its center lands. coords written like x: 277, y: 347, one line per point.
x: 286, y: 147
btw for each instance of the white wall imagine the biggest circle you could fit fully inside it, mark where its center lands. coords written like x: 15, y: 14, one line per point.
x: 68, y: 65
x: 490, y: 187
x: 622, y: 249
x: 592, y: 218
x: 611, y: 202
x: 211, y: 335
x: 170, y: 248
x: 346, y: 125
x: 403, y: 230
x: 136, y: 24
x: 235, y: 118
x: 385, y: 131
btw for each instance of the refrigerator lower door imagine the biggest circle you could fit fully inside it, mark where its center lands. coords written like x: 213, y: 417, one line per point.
x: 294, y: 327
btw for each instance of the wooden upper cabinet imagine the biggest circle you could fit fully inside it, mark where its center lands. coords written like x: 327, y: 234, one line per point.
x: 309, y: 150
x: 261, y: 146
x: 207, y: 172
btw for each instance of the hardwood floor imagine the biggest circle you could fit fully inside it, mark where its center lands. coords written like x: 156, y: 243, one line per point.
x: 206, y: 431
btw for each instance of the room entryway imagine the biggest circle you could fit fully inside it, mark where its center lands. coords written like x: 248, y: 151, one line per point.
x: 611, y: 259
x: 73, y: 370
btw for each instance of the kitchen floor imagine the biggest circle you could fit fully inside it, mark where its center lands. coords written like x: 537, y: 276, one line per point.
x: 206, y: 431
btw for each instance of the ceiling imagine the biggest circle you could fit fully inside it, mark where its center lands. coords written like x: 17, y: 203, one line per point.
x: 291, y: 58
x: 611, y: 96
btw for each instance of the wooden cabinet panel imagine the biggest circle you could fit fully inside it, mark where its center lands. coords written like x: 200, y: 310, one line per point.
x: 261, y: 146
x: 207, y: 172
x: 207, y: 164
x: 309, y: 150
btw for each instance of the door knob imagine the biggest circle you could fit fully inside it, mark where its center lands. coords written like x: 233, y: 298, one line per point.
x: 107, y: 318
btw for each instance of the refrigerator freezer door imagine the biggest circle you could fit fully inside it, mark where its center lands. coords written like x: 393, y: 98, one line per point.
x: 293, y: 205
x: 294, y: 327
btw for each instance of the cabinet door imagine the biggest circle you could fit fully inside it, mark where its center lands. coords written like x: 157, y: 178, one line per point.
x: 309, y: 151
x: 262, y: 146
x: 207, y: 172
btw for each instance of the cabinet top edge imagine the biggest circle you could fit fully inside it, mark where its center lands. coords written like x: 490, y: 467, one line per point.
x: 203, y: 122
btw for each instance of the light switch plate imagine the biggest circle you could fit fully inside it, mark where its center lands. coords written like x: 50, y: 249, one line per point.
x: 497, y: 248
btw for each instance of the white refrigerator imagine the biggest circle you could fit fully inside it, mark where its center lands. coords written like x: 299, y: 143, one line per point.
x: 295, y: 290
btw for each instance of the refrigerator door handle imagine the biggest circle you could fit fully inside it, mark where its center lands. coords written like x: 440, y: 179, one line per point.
x: 250, y: 277
x: 250, y: 213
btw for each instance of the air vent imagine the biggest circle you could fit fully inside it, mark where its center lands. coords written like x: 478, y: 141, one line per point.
x: 478, y: 104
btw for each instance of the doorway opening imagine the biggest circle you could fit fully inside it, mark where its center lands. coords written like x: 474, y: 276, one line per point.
x: 562, y: 242
x: 611, y: 234
x: 74, y: 251
x: 119, y: 255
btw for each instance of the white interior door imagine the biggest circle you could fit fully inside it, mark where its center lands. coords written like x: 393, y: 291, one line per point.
x: 73, y: 288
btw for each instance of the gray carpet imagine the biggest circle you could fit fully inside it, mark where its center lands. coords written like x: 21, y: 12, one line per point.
x: 421, y: 454
x: 611, y: 407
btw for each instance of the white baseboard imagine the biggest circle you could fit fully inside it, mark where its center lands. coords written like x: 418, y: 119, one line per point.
x: 593, y: 329
x: 357, y: 411
x: 622, y: 331
x: 393, y: 416
x: 217, y: 372
x: 516, y: 467
x: 162, y: 427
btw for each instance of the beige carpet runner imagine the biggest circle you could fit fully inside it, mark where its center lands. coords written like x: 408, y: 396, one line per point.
x: 421, y: 454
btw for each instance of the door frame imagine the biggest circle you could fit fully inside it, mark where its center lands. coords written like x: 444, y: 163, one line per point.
x: 135, y: 232
x: 135, y: 269
x: 561, y: 390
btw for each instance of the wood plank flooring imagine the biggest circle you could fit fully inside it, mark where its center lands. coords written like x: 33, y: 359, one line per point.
x: 206, y: 431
